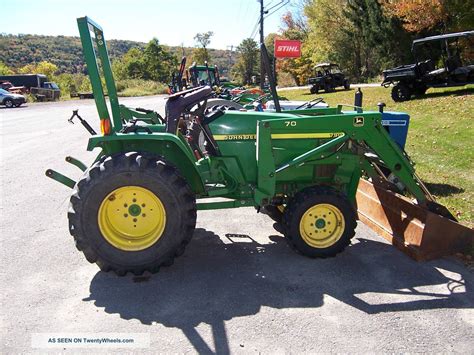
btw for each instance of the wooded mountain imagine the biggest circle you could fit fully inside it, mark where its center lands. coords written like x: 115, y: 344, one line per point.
x: 65, y: 52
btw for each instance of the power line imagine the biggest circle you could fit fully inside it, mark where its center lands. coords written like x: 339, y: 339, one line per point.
x: 283, y: 4
x: 255, y: 28
x: 271, y: 8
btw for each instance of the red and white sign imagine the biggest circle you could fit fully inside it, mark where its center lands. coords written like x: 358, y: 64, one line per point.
x: 287, y: 48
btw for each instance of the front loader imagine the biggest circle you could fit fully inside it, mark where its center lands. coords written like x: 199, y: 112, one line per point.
x: 134, y: 209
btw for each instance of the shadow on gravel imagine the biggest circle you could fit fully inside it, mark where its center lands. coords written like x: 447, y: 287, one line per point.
x: 215, y: 281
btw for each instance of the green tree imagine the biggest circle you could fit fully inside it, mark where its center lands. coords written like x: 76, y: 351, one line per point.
x: 372, y: 32
x: 364, y: 40
x: 152, y: 63
x: 133, y: 65
x: 4, y: 69
x: 44, y: 67
x: 158, y: 62
x: 247, y: 62
x: 299, y: 68
x: 201, y: 54
x: 27, y: 69
x: 203, y: 38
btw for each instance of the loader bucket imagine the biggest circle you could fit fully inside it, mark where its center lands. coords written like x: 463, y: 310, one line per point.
x: 419, y: 233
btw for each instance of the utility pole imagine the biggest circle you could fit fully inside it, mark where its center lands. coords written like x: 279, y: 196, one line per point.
x: 262, y: 69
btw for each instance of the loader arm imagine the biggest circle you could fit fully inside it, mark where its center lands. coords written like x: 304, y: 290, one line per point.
x: 365, y: 133
x: 86, y: 25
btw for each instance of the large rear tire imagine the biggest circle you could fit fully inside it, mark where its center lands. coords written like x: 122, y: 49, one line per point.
x: 132, y: 213
x: 319, y: 222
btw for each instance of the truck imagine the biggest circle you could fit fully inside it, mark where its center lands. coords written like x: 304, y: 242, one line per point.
x: 36, y: 84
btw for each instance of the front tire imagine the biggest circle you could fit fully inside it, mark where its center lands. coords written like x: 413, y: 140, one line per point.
x: 400, y: 93
x: 132, y: 213
x: 314, y: 89
x: 8, y: 103
x: 319, y: 222
x: 347, y: 85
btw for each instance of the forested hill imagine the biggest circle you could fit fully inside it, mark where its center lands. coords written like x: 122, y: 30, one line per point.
x: 65, y: 52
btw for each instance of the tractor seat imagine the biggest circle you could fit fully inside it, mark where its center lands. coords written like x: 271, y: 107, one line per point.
x: 181, y: 101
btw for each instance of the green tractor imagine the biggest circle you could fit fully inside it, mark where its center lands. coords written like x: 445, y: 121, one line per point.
x: 194, y: 76
x: 134, y: 209
x: 200, y: 75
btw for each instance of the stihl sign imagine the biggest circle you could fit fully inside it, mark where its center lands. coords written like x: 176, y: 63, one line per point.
x: 285, y: 48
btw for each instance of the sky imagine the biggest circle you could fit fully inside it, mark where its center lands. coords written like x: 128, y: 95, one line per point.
x: 172, y: 22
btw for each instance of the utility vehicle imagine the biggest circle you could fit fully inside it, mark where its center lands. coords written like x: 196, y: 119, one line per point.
x: 440, y: 61
x: 328, y: 77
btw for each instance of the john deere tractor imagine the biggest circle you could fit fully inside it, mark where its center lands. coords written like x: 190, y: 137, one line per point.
x: 134, y: 209
x: 194, y: 76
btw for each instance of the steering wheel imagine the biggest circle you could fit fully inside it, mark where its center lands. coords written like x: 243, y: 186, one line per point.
x: 311, y: 103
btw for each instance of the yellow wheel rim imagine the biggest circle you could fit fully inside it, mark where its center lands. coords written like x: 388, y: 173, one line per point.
x: 322, y: 225
x: 132, y: 218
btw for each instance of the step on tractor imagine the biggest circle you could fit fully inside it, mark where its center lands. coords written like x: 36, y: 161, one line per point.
x: 134, y: 209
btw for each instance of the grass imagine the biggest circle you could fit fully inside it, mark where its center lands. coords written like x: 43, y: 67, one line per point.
x: 440, y: 139
x: 138, y: 87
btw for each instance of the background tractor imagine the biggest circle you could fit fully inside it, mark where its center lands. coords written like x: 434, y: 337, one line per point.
x: 134, y: 209
x: 194, y: 76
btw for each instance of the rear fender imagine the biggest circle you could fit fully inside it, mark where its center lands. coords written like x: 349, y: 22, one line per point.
x: 173, y: 148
